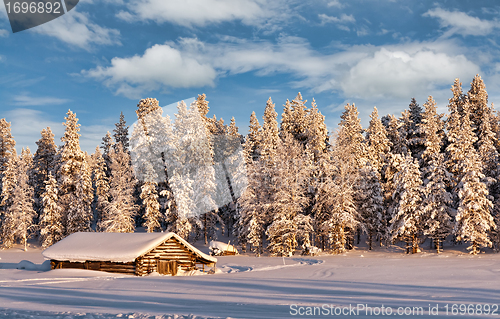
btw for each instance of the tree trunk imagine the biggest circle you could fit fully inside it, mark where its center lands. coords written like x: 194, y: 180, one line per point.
x: 205, y: 228
x: 370, y: 239
x: 438, y: 244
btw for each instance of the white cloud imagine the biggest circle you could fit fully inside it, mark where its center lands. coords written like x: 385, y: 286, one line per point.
x: 344, y: 18
x: 26, y: 100
x: 461, y: 23
x: 160, y: 66
x: 335, y: 3
x: 26, y: 125
x: 396, y: 73
x: 362, y: 71
x: 76, y: 29
x: 200, y: 13
x: 4, y: 33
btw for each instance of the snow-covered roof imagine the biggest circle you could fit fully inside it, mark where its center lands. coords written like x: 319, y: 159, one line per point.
x: 222, y: 246
x: 115, y: 247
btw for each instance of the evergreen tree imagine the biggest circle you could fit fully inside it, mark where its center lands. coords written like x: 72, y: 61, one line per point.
x: 252, y: 141
x: 368, y: 195
x: 350, y: 138
x: 121, y: 133
x: 396, y: 140
x: 317, y: 132
x: 378, y: 143
x: 74, y: 180
x: 79, y: 213
x: 51, y: 227
x: 7, y: 147
x: 295, y: 119
x: 100, y: 182
x: 107, y: 144
x: 414, y: 135
x: 269, y: 135
x: 289, y: 226
x: 407, y: 221
x: 335, y: 212
x: 19, y: 213
x: 44, y: 162
x: 437, y: 200
x: 149, y: 198
x: 478, y: 106
x: 474, y: 219
x: 459, y: 132
x: 431, y: 129
x: 120, y: 210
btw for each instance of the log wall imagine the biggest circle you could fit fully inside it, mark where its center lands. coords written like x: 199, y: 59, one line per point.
x: 108, y: 266
x: 168, y: 251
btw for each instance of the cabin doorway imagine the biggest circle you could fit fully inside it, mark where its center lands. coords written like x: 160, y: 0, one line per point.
x: 167, y: 267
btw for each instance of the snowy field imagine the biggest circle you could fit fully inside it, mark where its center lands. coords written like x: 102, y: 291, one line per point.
x: 266, y: 287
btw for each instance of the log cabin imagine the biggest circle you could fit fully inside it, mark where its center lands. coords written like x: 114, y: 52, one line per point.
x: 130, y: 253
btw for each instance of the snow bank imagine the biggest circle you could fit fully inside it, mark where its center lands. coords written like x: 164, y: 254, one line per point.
x: 115, y: 247
x: 22, y: 314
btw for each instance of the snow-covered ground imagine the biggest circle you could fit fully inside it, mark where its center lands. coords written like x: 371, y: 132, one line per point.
x: 251, y: 287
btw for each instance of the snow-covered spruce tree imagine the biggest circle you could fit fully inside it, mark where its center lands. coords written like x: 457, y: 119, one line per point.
x: 100, y: 182
x: 269, y: 136
x: 407, y: 222
x: 256, y: 201
x: 294, y: 120
x: 254, y: 205
x: 7, y: 144
x: 317, y: 132
x: 335, y: 208
x: 44, y: 162
x: 119, y: 212
x: 352, y: 143
x: 121, y: 133
x: 368, y: 195
x: 74, y: 179
x: 391, y: 193
x: 431, y: 129
x: 474, y: 219
x: 106, y: 145
x: 149, y: 196
x: 437, y: 201
x: 252, y: 139
x: 397, y: 142
x: 378, y: 143
x: 414, y: 135
x: 350, y: 138
x: 460, y: 137
x: 51, y: 227
x: 79, y: 213
x: 478, y: 106
x: 19, y: 214
x: 289, y: 226
x: 178, y: 220
x: 203, y: 109
x: 202, y: 171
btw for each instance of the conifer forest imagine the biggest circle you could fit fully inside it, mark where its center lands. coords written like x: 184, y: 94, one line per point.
x: 293, y: 188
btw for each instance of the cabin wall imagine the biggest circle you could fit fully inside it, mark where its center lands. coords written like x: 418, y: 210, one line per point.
x: 170, y: 250
x: 107, y: 266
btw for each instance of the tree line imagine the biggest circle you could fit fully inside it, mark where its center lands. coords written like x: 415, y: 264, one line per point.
x: 402, y: 179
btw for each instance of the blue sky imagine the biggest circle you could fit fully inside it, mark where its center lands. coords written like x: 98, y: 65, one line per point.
x: 105, y: 55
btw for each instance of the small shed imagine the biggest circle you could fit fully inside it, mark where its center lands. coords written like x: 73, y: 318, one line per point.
x: 131, y: 253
